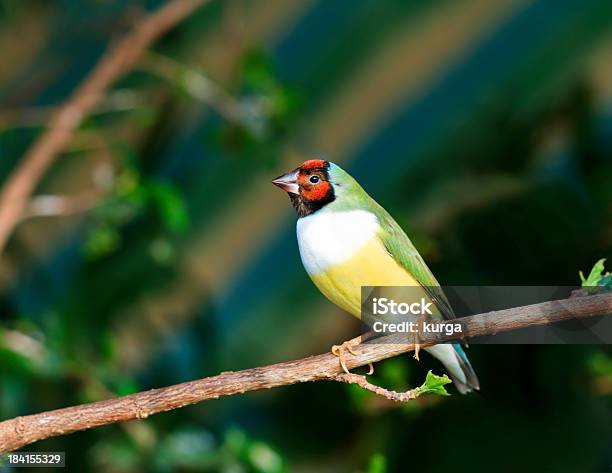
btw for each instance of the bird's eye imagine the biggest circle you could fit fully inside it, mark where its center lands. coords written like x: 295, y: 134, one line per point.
x: 314, y: 179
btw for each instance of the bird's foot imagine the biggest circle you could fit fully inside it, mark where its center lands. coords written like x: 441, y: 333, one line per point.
x: 340, y: 352
x: 416, y: 341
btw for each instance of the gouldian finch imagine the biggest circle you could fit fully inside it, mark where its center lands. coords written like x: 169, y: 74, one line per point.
x: 347, y: 240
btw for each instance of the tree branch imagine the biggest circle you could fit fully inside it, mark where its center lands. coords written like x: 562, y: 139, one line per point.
x: 21, y: 431
x: 117, y: 61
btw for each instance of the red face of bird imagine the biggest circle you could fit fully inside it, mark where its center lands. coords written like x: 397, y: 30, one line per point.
x: 308, y: 186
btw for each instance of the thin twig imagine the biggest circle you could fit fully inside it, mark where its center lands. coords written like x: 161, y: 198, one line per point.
x: 195, y: 83
x: 52, y: 205
x: 61, y: 205
x: 21, y: 431
x: 122, y: 100
x: 362, y: 382
x: 117, y: 61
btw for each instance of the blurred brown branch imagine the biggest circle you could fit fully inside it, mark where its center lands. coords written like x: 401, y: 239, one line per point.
x: 20, y: 431
x: 118, y: 60
x: 59, y: 205
x: 52, y: 205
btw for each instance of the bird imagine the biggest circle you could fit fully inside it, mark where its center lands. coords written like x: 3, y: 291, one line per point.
x: 347, y: 240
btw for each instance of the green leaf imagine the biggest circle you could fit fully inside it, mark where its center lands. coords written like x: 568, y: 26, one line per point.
x: 264, y: 459
x: 170, y: 205
x: 600, y: 364
x: 162, y: 251
x: 597, y: 276
x: 377, y: 464
x: 102, y: 241
x: 434, y: 384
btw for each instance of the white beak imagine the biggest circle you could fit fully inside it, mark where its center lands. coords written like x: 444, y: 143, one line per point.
x: 288, y: 182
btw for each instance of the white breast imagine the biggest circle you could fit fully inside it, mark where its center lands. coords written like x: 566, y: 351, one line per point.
x: 326, y: 239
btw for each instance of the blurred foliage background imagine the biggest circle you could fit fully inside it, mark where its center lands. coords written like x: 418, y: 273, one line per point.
x: 484, y: 127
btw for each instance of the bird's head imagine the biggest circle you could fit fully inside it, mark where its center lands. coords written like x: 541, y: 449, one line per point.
x: 310, y: 186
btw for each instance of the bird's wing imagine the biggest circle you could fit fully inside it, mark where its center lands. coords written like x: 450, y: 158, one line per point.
x: 401, y: 249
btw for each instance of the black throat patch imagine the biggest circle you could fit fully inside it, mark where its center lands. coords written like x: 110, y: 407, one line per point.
x: 305, y: 207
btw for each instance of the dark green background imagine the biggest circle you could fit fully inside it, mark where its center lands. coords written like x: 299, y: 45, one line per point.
x: 484, y: 127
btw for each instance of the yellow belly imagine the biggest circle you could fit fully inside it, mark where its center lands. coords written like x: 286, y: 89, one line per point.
x: 369, y: 266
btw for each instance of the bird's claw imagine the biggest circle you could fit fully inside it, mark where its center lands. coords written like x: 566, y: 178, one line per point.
x: 417, y: 345
x: 340, y: 350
